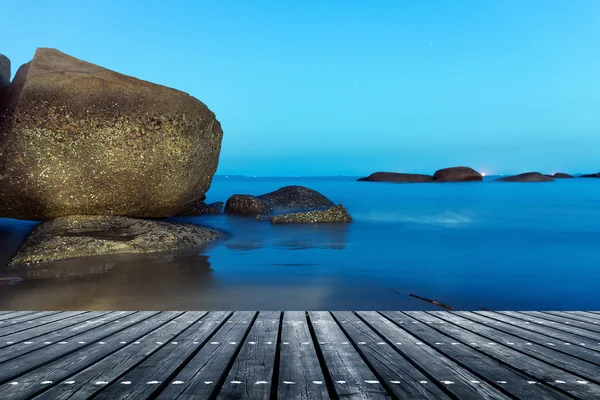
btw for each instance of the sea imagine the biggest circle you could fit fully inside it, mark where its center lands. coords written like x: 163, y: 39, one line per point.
x: 469, y: 246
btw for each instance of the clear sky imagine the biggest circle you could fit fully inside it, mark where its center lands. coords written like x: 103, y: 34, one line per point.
x: 351, y: 87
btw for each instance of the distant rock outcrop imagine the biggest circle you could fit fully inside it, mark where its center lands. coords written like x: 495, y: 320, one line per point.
x: 396, y: 177
x: 457, y: 174
x: 336, y: 214
x: 562, y: 175
x: 285, y: 199
x: 83, y: 236
x: 590, y: 175
x: 79, y: 139
x: 527, y: 177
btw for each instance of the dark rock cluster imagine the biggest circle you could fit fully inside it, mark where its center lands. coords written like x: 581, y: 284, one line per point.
x: 453, y: 174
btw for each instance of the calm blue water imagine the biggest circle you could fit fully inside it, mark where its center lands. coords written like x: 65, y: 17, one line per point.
x: 521, y: 246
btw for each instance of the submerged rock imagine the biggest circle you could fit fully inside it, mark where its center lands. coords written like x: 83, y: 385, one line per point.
x: 335, y: 214
x: 590, y: 175
x: 527, y: 177
x: 285, y: 199
x: 396, y: 177
x: 457, y: 174
x: 79, y: 139
x: 247, y: 206
x: 562, y: 175
x: 83, y: 236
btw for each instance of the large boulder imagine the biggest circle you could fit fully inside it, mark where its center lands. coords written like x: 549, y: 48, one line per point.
x: 83, y: 236
x: 562, y: 175
x: 335, y: 214
x: 527, y: 177
x: 396, y: 177
x: 78, y: 139
x: 590, y: 175
x: 457, y: 174
x: 285, y: 199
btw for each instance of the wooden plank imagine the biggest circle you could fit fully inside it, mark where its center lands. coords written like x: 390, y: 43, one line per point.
x: 529, y: 319
x: 349, y: 374
x: 550, y: 375
x: 577, y: 317
x: 299, y: 366
x: 255, y: 363
x: 580, y: 352
x: 441, y: 371
x: 547, y: 354
x: 568, y: 339
x: 399, y: 376
x: 183, y: 372
x: 52, y: 373
x: 24, y: 322
x: 39, y: 337
x: 21, y: 365
x: 589, y: 314
x: 593, y: 330
x: 486, y: 368
x: 109, y: 370
x: 11, y: 314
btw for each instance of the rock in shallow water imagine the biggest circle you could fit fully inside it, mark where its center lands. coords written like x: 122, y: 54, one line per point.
x: 246, y: 205
x: 79, y: 139
x: 284, y: 199
x: 334, y: 214
x: 82, y: 236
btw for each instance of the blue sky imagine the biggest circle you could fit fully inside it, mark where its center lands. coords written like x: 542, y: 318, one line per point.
x: 352, y: 87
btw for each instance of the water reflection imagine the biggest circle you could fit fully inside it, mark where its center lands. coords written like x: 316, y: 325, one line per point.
x: 116, y: 282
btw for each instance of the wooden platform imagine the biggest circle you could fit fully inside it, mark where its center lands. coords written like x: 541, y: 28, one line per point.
x: 298, y: 355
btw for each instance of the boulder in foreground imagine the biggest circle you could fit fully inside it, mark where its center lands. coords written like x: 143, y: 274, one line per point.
x: 285, y: 199
x: 83, y: 236
x: 396, y: 177
x: 527, y: 177
x: 79, y: 139
x: 457, y: 174
x: 336, y: 214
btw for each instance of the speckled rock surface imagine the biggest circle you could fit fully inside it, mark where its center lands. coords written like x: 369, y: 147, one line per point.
x: 247, y: 206
x: 78, y: 139
x: 295, y: 198
x: 82, y: 236
x: 457, y: 174
x: 335, y: 214
x: 396, y: 177
x: 527, y: 177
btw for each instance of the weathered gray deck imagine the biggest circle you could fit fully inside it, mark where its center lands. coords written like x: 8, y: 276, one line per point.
x: 298, y: 355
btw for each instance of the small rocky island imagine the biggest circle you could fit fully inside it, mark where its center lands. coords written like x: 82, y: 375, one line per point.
x: 452, y: 174
x: 527, y: 177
